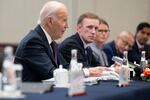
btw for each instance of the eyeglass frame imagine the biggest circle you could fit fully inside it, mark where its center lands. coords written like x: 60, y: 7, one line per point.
x: 125, y: 43
x: 102, y: 31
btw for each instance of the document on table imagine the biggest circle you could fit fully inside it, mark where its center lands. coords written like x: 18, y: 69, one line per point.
x: 106, y: 75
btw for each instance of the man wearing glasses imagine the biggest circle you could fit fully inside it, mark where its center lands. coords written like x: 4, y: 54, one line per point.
x: 123, y: 42
x: 101, y: 37
x: 142, y: 36
x: 87, y: 26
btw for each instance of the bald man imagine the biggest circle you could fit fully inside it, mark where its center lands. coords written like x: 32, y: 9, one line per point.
x: 123, y: 42
x: 37, y: 50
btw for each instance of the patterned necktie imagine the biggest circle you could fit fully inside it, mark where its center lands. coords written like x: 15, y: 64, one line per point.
x: 54, y: 50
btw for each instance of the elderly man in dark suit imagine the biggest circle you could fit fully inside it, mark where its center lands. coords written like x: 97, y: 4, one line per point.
x: 87, y: 26
x: 37, y: 50
x: 123, y: 42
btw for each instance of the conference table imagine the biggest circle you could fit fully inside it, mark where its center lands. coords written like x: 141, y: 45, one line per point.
x: 105, y: 90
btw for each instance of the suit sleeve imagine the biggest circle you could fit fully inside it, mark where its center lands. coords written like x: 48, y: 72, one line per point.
x: 36, y: 57
x: 109, y: 55
x: 65, y: 50
x: 65, y: 53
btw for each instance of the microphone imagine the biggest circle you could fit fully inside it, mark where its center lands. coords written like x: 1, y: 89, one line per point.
x: 117, y: 59
x: 120, y: 61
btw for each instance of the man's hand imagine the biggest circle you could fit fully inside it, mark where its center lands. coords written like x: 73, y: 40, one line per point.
x: 97, y: 71
x: 116, y: 67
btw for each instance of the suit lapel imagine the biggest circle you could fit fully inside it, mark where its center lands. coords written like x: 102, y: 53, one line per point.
x: 47, y: 45
x: 88, y: 56
x: 80, y: 42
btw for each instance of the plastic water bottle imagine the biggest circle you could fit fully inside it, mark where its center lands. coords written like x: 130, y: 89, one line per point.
x: 73, y: 62
x: 75, y: 76
x: 18, y: 69
x: 73, y: 72
x: 124, y: 72
x: 143, y: 60
x: 8, y: 72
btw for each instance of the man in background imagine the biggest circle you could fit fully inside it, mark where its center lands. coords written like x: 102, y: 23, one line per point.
x: 123, y: 42
x: 101, y: 37
x: 87, y: 26
x: 141, y: 38
x: 37, y: 50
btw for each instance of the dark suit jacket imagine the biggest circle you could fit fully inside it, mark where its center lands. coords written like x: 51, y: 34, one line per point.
x: 34, y: 54
x: 74, y: 42
x: 111, y: 51
x: 135, y: 53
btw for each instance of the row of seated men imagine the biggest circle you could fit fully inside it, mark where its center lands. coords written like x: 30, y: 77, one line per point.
x: 40, y: 55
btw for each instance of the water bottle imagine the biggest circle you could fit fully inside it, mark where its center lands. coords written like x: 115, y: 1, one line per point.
x: 75, y: 76
x: 18, y: 69
x: 143, y: 60
x: 73, y: 62
x: 8, y: 72
x: 124, y: 72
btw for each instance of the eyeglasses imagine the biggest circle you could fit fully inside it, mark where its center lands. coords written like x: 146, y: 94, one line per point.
x: 125, y: 43
x: 103, y: 31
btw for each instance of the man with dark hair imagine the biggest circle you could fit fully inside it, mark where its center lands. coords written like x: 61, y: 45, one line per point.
x: 141, y: 38
x: 87, y: 26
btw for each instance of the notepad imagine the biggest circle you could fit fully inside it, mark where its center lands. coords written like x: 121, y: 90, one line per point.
x: 34, y: 87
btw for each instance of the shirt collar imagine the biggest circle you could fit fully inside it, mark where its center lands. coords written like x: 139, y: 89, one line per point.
x: 100, y: 46
x: 47, y: 36
x: 139, y: 45
x: 84, y: 44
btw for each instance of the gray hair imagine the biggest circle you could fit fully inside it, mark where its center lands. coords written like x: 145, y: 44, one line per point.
x: 125, y: 32
x: 49, y: 9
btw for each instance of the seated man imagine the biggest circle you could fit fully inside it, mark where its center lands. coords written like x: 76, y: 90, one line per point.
x: 87, y: 27
x: 141, y: 38
x: 101, y: 37
x: 37, y: 51
x: 123, y: 42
